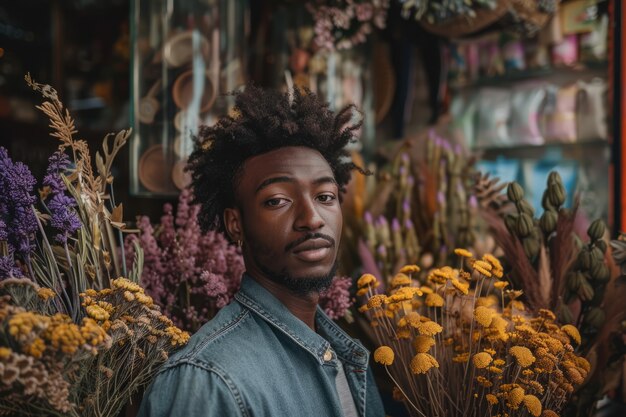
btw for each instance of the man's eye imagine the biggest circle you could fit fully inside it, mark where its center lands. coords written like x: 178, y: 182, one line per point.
x: 274, y: 202
x: 326, y: 198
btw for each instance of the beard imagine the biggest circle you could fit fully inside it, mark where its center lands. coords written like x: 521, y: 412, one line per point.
x: 300, y: 286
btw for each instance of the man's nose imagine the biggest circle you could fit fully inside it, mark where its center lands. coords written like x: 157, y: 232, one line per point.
x: 308, y: 217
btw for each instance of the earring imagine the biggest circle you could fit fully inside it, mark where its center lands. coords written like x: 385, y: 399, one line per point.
x: 239, y: 243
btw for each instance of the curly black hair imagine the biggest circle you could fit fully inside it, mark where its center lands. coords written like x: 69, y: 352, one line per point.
x: 264, y: 120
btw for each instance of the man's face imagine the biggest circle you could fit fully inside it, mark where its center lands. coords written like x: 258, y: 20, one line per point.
x: 290, y: 218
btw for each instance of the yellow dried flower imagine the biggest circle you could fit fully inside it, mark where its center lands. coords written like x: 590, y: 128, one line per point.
x: 461, y: 286
x: 554, y: 345
x: 129, y: 296
x: 178, y: 336
x: 426, y: 290
x: 500, y: 284
x: 92, y: 333
x: 4, y: 352
x: 384, y: 355
x: 97, y: 312
x: 498, y: 273
x: 429, y: 328
x: 572, y: 332
x: 482, y: 360
x: 400, y: 279
x: 484, y: 381
x: 126, y: 284
x: 366, y: 280
x: 574, y: 375
x: 522, y: 355
x: 491, y: 399
x: 90, y: 292
x: 409, y: 269
x: 376, y: 301
x: 495, y: 262
x: 461, y: 358
x: 533, y: 405
x: 144, y: 299
x: 498, y: 362
x: 546, y: 314
x: 549, y: 413
x: 36, y: 348
x: 583, y: 363
x: 483, y: 265
x: 463, y: 252
x: 46, y: 293
x: 422, y: 363
x: 362, y: 291
x: 494, y: 370
x: 515, y: 397
x: 403, y: 334
x: 434, y: 300
x: 484, y: 316
x: 422, y: 344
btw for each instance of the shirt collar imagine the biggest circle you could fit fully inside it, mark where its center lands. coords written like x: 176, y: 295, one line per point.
x: 255, y: 297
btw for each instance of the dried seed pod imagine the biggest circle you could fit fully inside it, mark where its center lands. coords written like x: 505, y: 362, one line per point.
x: 596, y: 230
x: 524, y: 207
x: 599, y: 295
x: 510, y: 221
x: 514, y: 192
x: 603, y: 274
x: 595, y: 317
x: 597, y: 270
x: 585, y: 291
x: 548, y: 220
x: 574, y: 280
x: 554, y: 177
x: 531, y: 247
x: 601, y: 244
x: 545, y: 201
x: 556, y: 194
x: 584, y: 259
x: 564, y: 314
x: 597, y: 254
x: 524, y: 225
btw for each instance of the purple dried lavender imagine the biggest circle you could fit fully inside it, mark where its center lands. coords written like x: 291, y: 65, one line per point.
x: 8, y: 269
x: 16, y: 201
x: 4, y: 234
x: 62, y: 208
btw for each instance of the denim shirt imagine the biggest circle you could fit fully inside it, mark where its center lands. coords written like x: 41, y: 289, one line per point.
x: 255, y: 358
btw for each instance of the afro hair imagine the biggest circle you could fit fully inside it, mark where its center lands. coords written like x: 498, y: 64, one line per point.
x: 264, y: 120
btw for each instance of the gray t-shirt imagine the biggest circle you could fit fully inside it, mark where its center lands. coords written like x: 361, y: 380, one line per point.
x: 345, y: 395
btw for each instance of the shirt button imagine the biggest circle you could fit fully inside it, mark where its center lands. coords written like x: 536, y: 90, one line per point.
x: 328, y: 356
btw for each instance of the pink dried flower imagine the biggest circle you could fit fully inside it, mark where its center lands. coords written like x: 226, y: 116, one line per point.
x: 336, y: 301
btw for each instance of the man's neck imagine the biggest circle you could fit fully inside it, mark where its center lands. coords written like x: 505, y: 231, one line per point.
x: 303, y: 307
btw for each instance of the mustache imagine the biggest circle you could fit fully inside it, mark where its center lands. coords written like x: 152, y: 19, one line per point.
x: 309, y: 236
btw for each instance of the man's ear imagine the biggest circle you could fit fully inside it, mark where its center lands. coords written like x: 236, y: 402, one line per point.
x: 233, y: 224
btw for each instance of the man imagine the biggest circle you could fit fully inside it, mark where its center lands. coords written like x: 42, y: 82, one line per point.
x: 271, y: 177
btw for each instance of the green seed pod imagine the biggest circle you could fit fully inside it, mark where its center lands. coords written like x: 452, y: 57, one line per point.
x: 584, y: 259
x: 556, y: 194
x: 554, y: 177
x: 531, y: 247
x: 596, y: 230
x: 604, y: 274
x: 524, y: 225
x: 601, y: 244
x: 564, y: 314
x: 524, y: 207
x: 510, y: 221
x: 595, y: 317
x: 548, y: 220
x: 574, y: 280
x: 545, y: 201
x: 515, y: 192
x: 599, y: 295
x: 597, y: 254
x: 597, y: 270
x: 585, y: 291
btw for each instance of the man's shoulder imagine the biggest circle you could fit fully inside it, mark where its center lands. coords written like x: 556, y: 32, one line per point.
x: 219, y: 340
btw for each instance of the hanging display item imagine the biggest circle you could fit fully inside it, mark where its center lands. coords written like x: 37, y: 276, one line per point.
x: 186, y: 56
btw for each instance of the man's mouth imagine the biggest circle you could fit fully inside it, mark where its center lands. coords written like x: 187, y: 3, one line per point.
x: 312, y: 250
